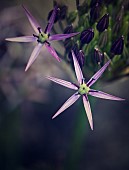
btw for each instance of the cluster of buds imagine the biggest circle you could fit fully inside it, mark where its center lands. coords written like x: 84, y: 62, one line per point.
x: 102, y: 32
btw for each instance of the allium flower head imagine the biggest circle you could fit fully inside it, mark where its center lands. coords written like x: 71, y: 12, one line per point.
x: 83, y: 89
x: 42, y: 37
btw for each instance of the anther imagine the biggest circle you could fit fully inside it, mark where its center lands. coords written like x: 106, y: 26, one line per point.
x: 35, y: 36
x: 39, y: 29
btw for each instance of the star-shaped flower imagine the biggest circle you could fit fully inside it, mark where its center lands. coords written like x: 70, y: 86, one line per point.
x: 83, y: 89
x: 43, y: 38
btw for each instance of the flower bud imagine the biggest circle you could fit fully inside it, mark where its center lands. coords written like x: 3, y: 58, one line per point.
x: 68, y: 43
x: 98, y: 56
x: 68, y: 29
x: 94, y: 2
x: 87, y: 36
x: 81, y: 58
x: 75, y: 49
x: 103, y: 23
x: 117, y: 46
x: 61, y: 13
x: 94, y: 13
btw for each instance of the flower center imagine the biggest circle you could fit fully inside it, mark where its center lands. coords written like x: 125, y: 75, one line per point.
x: 83, y: 89
x: 42, y: 37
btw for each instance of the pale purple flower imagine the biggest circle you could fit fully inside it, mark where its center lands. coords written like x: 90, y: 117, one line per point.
x: 43, y: 38
x: 83, y: 89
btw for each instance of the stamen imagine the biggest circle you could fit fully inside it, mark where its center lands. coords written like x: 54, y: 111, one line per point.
x: 83, y: 80
x: 47, y: 43
x: 46, y: 29
x: 39, y: 29
x: 35, y: 36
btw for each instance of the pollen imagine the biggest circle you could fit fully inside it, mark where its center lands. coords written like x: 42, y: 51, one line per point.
x: 42, y: 37
x: 84, y: 89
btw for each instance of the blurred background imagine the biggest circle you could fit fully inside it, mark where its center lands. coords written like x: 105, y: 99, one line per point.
x: 29, y: 138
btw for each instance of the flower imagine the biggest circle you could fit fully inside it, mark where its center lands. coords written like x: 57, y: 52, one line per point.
x: 43, y: 38
x: 83, y: 89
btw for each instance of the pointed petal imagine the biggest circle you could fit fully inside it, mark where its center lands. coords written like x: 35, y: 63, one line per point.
x: 62, y: 82
x: 32, y: 20
x: 22, y: 39
x: 67, y: 104
x: 51, y: 21
x: 103, y: 95
x: 96, y: 76
x: 52, y: 51
x: 62, y: 36
x: 34, y: 55
x: 77, y: 69
x: 88, y: 110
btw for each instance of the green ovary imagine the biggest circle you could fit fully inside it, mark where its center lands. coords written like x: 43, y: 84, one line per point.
x: 84, y: 89
x: 42, y: 37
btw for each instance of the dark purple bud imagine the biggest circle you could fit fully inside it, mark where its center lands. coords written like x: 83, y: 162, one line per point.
x: 68, y: 29
x: 117, y: 46
x: 81, y: 58
x: 103, y: 23
x: 68, y: 42
x: 98, y: 56
x: 94, y: 2
x: 63, y: 12
x: 94, y: 13
x: 87, y: 36
x: 75, y: 49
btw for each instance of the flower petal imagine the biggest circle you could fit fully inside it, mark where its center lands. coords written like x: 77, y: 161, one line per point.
x: 52, y: 51
x: 51, y: 21
x: 22, y: 39
x: 62, y: 36
x: 96, y: 76
x: 34, y: 55
x: 88, y: 110
x: 67, y: 104
x: 32, y: 20
x: 63, y: 82
x: 77, y: 68
x: 103, y: 95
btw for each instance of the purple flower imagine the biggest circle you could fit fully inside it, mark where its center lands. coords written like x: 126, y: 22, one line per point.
x: 43, y: 38
x: 83, y: 89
